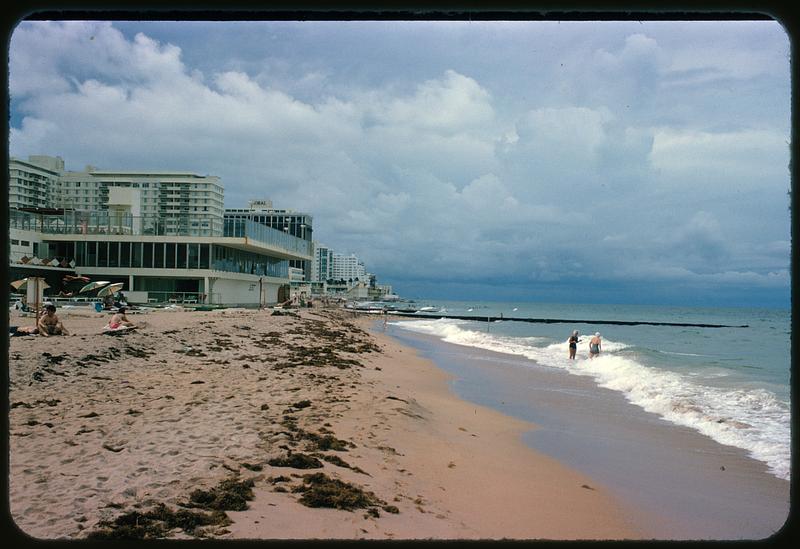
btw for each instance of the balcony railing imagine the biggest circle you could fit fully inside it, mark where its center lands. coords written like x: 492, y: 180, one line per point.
x: 108, y: 222
x: 111, y: 223
x: 266, y: 235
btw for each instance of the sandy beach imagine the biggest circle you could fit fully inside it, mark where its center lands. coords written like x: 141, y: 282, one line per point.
x: 242, y: 424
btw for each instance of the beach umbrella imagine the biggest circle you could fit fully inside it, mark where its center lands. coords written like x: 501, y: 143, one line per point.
x: 111, y: 289
x: 93, y: 286
x: 23, y: 284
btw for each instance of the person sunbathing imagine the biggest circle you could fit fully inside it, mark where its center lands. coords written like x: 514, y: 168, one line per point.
x: 119, y: 320
x: 23, y: 330
x: 49, y: 323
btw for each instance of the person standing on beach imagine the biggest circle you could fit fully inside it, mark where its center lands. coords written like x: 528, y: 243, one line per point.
x: 573, y: 344
x: 594, y: 345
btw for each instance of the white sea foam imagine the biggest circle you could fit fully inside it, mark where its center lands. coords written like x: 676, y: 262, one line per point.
x: 754, y: 420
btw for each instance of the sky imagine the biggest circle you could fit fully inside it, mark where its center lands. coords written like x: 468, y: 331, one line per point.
x: 582, y: 162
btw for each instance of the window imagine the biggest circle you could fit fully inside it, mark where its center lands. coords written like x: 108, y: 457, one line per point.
x: 158, y: 255
x: 136, y: 254
x: 24, y: 243
x: 204, y: 256
x: 180, y: 258
x: 169, y: 255
x: 124, y: 254
x: 14, y: 242
x: 113, y: 254
x: 147, y: 255
x: 194, y: 253
x: 102, y: 254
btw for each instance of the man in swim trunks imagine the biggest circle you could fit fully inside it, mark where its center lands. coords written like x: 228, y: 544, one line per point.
x: 49, y: 324
x: 573, y: 344
x: 594, y: 345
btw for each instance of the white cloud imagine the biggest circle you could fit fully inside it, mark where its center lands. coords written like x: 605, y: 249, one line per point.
x: 748, y: 155
x: 450, y: 171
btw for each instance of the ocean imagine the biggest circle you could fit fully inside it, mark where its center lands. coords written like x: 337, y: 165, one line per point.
x: 730, y: 384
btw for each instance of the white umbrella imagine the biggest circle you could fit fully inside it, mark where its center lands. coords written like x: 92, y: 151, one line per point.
x: 111, y: 289
x: 93, y: 286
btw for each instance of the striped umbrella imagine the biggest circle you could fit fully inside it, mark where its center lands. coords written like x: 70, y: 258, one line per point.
x: 111, y: 289
x: 23, y: 284
x: 93, y: 286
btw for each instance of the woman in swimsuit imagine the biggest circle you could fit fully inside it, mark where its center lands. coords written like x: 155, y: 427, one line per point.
x: 573, y: 344
x: 594, y: 345
x: 119, y: 319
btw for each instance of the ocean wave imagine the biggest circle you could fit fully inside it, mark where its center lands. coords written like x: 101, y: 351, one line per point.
x: 754, y: 420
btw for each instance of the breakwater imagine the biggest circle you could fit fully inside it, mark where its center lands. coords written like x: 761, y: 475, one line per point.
x: 567, y: 321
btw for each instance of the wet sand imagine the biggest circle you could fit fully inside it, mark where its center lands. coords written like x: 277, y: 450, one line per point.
x: 674, y: 482
x: 240, y: 424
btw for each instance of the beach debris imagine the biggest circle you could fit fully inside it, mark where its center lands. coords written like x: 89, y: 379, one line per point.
x: 336, y: 460
x: 157, y: 523
x: 586, y: 486
x: 231, y: 494
x: 320, y: 490
x: 327, y: 442
x: 296, y: 461
x: 112, y: 448
x: 48, y: 402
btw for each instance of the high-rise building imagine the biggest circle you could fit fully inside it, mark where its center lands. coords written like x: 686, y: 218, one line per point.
x: 32, y: 183
x: 322, y: 265
x: 163, y: 235
x: 167, y: 202
x: 348, y: 267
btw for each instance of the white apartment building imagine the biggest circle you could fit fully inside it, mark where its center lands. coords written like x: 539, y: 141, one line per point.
x: 31, y: 183
x: 348, y: 267
x: 162, y: 234
x: 183, y: 203
x: 322, y: 265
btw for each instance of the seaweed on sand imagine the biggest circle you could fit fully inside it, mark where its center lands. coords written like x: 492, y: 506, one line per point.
x: 156, y: 523
x: 327, y: 442
x: 296, y: 461
x: 320, y: 490
x: 336, y: 460
x: 230, y: 495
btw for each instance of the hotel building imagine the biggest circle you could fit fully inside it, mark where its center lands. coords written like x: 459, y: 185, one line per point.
x: 299, y: 225
x: 164, y: 235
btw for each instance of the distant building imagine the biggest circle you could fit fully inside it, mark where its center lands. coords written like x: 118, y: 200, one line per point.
x: 297, y: 224
x: 322, y: 265
x: 348, y: 268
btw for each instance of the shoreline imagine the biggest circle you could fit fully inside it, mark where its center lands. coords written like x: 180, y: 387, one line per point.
x: 681, y: 484
x: 104, y: 425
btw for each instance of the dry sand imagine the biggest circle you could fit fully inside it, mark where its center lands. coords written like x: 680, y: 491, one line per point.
x: 144, y: 427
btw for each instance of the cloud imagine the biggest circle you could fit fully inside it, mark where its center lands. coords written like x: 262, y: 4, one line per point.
x: 468, y: 167
x: 717, y: 155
